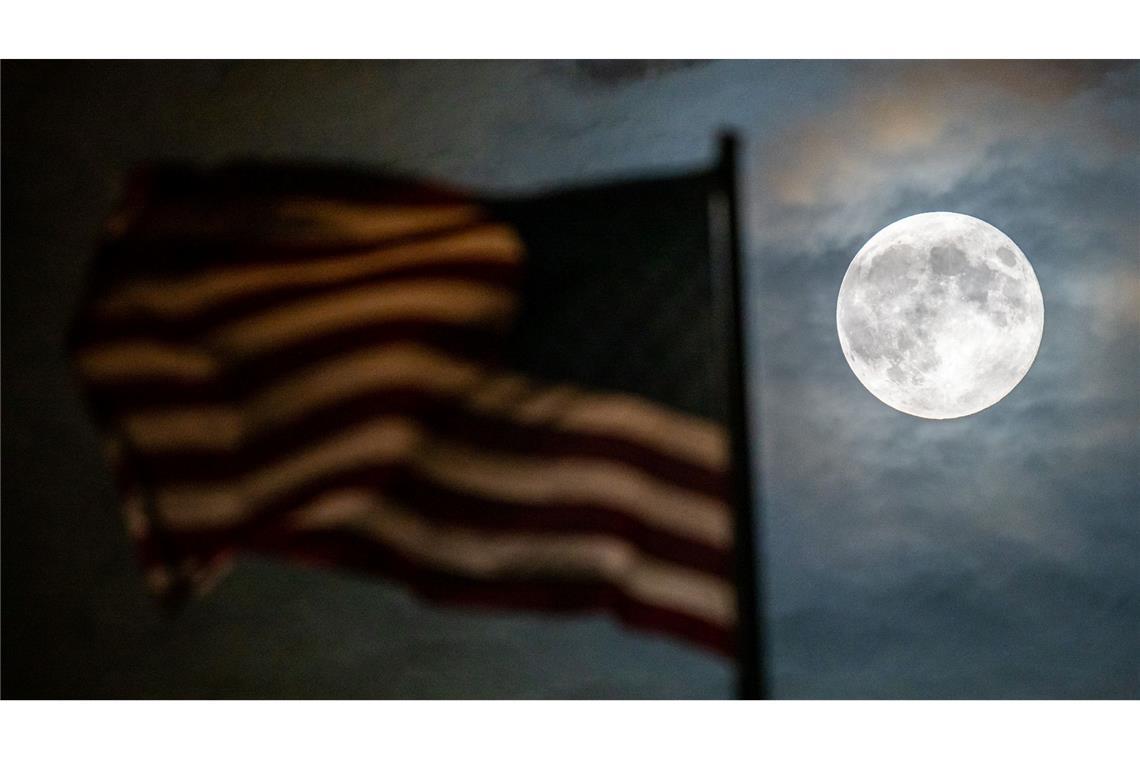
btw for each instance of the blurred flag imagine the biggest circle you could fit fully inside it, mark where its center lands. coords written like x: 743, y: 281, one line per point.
x: 513, y: 403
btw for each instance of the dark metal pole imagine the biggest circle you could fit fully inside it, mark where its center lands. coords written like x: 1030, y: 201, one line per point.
x: 744, y: 443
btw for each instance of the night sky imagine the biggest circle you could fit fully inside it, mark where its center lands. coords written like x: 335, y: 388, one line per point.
x: 996, y: 555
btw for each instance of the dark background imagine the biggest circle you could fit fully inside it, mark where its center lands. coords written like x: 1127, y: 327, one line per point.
x: 994, y: 556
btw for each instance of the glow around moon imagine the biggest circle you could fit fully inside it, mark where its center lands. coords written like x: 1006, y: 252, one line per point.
x: 940, y: 315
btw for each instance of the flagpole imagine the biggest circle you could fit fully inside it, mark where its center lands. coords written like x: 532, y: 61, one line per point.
x: 744, y: 441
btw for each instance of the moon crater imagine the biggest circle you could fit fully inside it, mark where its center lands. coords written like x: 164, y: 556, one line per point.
x: 940, y: 315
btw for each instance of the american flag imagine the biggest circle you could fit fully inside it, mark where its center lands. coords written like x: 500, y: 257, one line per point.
x: 312, y: 365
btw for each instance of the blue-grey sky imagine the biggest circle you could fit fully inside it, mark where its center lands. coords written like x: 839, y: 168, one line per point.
x: 995, y: 555
x: 992, y: 556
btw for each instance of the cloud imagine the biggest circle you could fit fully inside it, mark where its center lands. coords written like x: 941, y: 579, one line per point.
x: 908, y: 136
x: 866, y: 503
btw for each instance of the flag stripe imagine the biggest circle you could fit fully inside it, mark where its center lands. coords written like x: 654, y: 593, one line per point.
x: 345, y: 550
x: 200, y: 325
x: 303, y: 322
x: 228, y: 284
x: 454, y: 384
x: 461, y: 302
x: 295, y: 221
x: 514, y: 551
x: 466, y: 509
x: 134, y: 388
x: 521, y: 479
x: 702, y: 549
x: 148, y: 360
x: 516, y: 554
x: 438, y: 555
x: 211, y: 443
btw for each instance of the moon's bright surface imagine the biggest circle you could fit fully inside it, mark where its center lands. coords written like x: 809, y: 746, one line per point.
x: 940, y: 315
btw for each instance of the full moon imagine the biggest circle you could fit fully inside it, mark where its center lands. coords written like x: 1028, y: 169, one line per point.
x: 940, y: 315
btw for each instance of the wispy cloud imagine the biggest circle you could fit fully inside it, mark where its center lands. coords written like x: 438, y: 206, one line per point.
x: 908, y: 136
x: 872, y: 512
